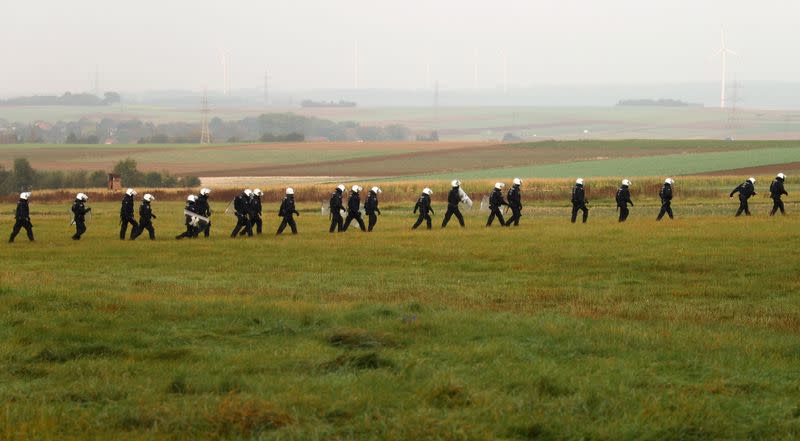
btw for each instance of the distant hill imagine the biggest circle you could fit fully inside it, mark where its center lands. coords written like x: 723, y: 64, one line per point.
x: 67, y: 99
x: 657, y: 103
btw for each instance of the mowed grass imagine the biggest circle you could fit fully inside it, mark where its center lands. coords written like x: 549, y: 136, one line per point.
x: 674, y: 330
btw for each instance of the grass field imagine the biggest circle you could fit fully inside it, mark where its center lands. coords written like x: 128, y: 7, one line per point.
x: 682, y: 330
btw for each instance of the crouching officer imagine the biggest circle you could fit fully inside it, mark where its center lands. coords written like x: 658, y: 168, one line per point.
x: 666, y: 199
x: 204, y: 209
x: 354, y: 209
x: 746, y: 190
x: 190, y: 221
x: 623, y: 199
x: 515, y: 203
x: 146, y: 217
x: 776, y: 190
x: 579, y: 201
x: 371, y: 207
x: 79, y: 211
x: 454, y: 198
x: 286, y: 211
x: 495, y: 202
x: 22, y: 218
x: 241, y: 206
x: 126, y: 214
x: 335, y: 207
x: 424, y: 207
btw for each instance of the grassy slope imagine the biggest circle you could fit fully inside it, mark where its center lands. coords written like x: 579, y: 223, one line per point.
x: 682, y: 330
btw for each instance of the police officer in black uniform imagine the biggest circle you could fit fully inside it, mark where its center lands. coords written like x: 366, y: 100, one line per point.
x: 354, y: 209
x: 515, y: 203
x: 335, y: 207
x: 623, y: 199
x: 496, y: 201
x: 453, y: 199
x: 579, y: 201
x: 746, y: 190
x: 126, y: 214
x: 286, y: 211
x: 666, y: 199
x: 79, y: 210
x: 22, y: 218
x: 776, y: 190
x: 255, y: 210
x: 190, y: 221
x: 371, y: 207
x: 146, y: 217
x: 241, y: 206
x: 424, y: 207
x: 204, y: 209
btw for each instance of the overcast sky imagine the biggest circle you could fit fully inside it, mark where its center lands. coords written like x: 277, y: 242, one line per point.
x: 54, y: 45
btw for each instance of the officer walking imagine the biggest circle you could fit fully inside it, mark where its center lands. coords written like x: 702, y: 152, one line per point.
x: 204, y: 209
x: 241, y: 206
x: 354, y: 209
x: 454, y: 197
x: 746, y: 190
x: 335, y: 206
x: 424, y: 207
x: 371, y: 207
x: 190, y: 221
x: 255, y: 210
x: 666, y: 199
x: 515, y: 203
x: 146, y: 217
x: 496, y: 201
x: 79, y: 210
x: 22, y: 218
x: 623, y: 199
x: 579, y: 201
x: 776, y: 190
x: 286, y: 211
x: 126, y: 214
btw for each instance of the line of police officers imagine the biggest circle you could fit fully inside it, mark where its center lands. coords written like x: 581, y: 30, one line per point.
x: 248, y: 208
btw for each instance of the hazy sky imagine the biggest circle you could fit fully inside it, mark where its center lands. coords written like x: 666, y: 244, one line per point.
x: 54, y: 45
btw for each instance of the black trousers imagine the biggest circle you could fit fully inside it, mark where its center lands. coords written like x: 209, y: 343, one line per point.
x: 743, y: 207
x: 19, y: 225
x: 624, y: 211
x: 144, y: 226
x: 80, y: 228
x: 206, y: 230
x: 452, y: 210
x: 287, y: 220
x: 495, y: 213
x: 354, y: 217
x: 581, y: 207
x: 190, y: 232
x: 242, y: 222
x: 336, y: 221
x: 255, y: 221
x: 666, y: 208
x: 372, y: 219
x: 777, y: 204
x: 123, y: 228
x: 423, y: 217
x: 516, y: 214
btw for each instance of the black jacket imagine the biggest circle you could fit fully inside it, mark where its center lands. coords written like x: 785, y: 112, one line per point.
x: 624, y: 197
x: 146, y: 213
x: 665, y: 193
x: 79, y: 210
x: 287, y: 207
x: 241, y: 204
x: 192, y: 207
x: 255, y: 206
x: 423, y: 204
x: 354, y: 203
x: 746, y: 189
x: 126, y: 210
x: 371, y: 204
x: 496, y: 199
x: 515, y: 197
x: 578, y: 195
x: 454, y: 197
x: 23, y: 212
x: 776, y: 189
x: 202, y: 206
x: 335, y: 203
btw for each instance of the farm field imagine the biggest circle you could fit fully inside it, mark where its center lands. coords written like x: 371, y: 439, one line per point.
x: 675, y: 330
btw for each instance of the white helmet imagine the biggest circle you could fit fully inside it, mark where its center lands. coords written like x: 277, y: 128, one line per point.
x: 626, y: 183
x: 517, y: 181
x: 82, y: 197
x: 340, y: 187
x: 499, y: 185
x: 25, y: 195
x: 427, y: 191
x: 148, y: 197
x: 357, y: 188
x: 669, y: 181
x: 247, y: 192
x: 191, y: 198
x: 752, y: 179
x: 130, y: 192
x: 205, y: 191
x: 257, y: 192
x: 376, y: 190
x: 290, y: 190
x: 455, y: 183
x: 781, y: 176
x: 579, y: 181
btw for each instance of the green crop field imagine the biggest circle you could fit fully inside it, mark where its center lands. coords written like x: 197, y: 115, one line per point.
x: 681, y: 330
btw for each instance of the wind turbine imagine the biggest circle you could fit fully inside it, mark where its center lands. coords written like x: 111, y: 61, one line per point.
x: 724, y: 52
